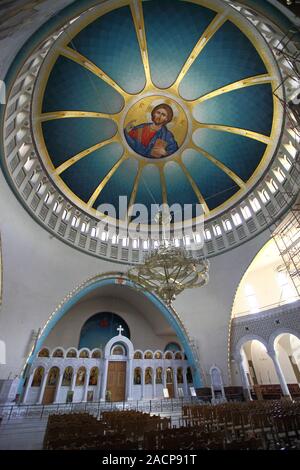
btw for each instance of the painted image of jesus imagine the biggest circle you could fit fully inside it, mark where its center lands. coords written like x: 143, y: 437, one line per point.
x: 153, y: 140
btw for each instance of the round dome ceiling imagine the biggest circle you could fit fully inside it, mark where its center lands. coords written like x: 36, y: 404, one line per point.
x: 178, y: 102
x: 161, y: 102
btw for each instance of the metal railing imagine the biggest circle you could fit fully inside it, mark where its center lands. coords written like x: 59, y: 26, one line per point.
x: 168, y: 405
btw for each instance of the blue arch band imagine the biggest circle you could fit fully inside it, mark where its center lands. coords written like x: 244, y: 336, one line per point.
x: 165, y: 311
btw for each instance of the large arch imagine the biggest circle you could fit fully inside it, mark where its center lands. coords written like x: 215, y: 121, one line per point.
x: 113, y: 279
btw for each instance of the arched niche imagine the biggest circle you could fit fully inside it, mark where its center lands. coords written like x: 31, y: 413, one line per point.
x: 137, y: 291
x: 100, y: 328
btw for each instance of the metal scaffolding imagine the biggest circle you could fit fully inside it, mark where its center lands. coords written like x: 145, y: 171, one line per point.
x: 288, y: 49
x: 287, y: 239
x: 286, y: 233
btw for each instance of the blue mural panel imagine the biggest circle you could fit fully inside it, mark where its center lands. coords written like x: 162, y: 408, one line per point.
x: 172, y: 33
x: 240, y: 154
x: 120, y: 184
x: 111, y: 43
x: 65, y: 138
x: 72, y: 87
x: 216, y: 187
x: 84, y: 176
x: 100, y: 328
x: 239, y: 109
x: 229, y: 56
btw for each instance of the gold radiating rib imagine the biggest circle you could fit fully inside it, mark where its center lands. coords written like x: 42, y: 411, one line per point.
x: 77, y: 114
x: 236, y: 130
x: 195, y: 187
x: 220, y: 165
x: 138, y: 19
x: 134, y: 190
x: 246, y: 82
x: 64, y: 166
x: 105, y: 180
x: 212, y: 28
x: 86, y: 63
x: 163, y: 185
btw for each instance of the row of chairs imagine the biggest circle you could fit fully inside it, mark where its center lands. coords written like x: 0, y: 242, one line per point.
x: 115, y: 430
x: 271, y: 421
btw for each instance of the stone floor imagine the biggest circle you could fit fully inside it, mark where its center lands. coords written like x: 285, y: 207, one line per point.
x: 22, y: 434
x: 27, y: 432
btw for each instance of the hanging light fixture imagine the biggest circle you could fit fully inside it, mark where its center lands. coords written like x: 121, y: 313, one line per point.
x: 168, y: 270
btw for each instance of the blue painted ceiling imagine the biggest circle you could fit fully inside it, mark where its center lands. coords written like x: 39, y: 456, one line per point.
x: 172, y: 29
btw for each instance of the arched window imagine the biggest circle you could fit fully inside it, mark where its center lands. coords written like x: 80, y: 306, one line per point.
x: 169, y: 375
x: 158, y: 355
x: 72, y: 353
x: 96, y: 354
x: 148, y: 355
x: 137, y: 380
x: 158, y: 379
x: 94, y: 376
x: 118, y: 350
x: 148, y: 376
x: 178, y: 356
x: 53, y: 376
x: 168, y: 355
x: 179, y: 375
x: 58, y: 353
x: 80, y: 378
x: 44, y: 353
x: 67, y: 378
x: 37, y: 378
x: 189, y: 376
x: 137, y: 355
x: 174, y: 347
x: 100, y: 328
x: 84, y: 354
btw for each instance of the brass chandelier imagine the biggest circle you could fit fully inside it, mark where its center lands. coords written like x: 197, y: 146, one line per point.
x: 168, y: 270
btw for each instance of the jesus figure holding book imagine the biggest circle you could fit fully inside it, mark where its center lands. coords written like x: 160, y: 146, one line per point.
x: 153, y: 140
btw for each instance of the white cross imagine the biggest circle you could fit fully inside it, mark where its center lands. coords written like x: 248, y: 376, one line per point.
x: 120, y: 329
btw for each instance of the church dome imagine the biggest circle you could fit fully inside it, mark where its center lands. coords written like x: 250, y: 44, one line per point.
x: 97, y: 86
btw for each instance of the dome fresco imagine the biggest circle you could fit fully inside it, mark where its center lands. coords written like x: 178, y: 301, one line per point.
x: 102, y: 89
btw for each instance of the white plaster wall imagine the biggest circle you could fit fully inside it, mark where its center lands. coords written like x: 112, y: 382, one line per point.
x: 285, y: 364
x: 67, y: 331
x: 206, y: 311
x: 25, y: 28
x: 40, y: 270
x: 263, y: 364
x: 262, y: 279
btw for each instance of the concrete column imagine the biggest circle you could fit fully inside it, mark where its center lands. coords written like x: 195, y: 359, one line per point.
x: 185, y: 384
x: 164, y: 372
x: 104, y: 380
x: 58, y: 387
x: 129, y: 376
x: 281, y: 378
x: 245, y: 383
x: 98, y: 388
x: 28, y: 386
x: 175, y: 384
x: 73, y: 381
x: 86, y: 385
x: 143, y: 383
x: 244, y: 378
x: 43, y: 386
x: 154, y: 383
